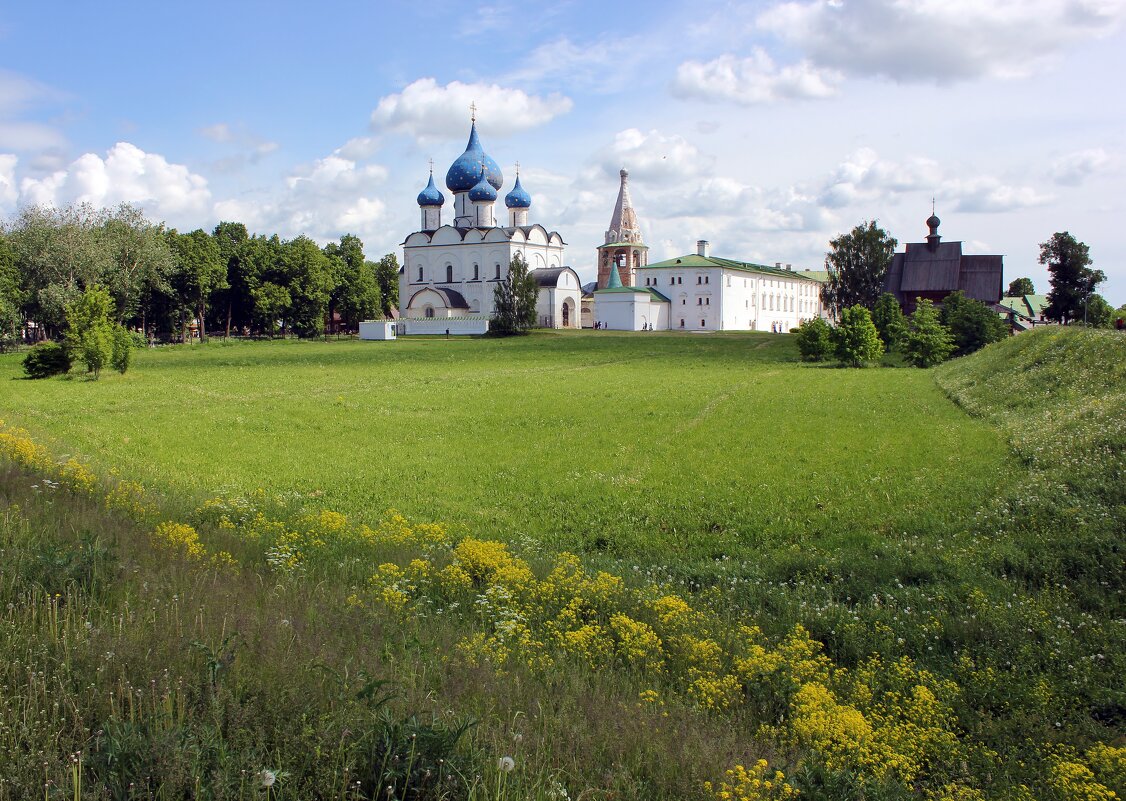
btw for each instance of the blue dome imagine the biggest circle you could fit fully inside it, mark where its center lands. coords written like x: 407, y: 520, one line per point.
x: 518, y: 198
x: 430, y: 196
x: 483, y: 191
x: 466, y: 171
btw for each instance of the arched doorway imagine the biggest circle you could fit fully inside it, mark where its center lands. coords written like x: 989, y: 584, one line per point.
x: 567, y: 314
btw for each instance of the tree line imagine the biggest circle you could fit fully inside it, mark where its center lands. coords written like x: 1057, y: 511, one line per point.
x: 170, y: 285
x: 870, y: 322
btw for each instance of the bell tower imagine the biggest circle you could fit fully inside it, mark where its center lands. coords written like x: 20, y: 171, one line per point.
x: 624, y: 249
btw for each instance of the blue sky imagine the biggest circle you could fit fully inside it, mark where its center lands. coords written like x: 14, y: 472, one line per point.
x: 765, y: 127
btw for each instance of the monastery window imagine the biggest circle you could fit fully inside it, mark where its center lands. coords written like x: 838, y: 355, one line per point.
x: 498, y: 271
x: 419, y: 273
x: 707, y: 301
x: 476, y: 272
x: 699, y: 301
x: 699, y: 279
x: 682, y: 322
x: 707, y: 279
x: 680, y: 280
x: 449, y: 273
x: 703, y: 323
x: 429, y: 311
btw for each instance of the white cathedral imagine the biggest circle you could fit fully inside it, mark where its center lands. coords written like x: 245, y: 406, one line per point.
x: 450, y: 271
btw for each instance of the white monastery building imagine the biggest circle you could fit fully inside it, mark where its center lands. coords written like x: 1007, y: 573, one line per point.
x: 450, y: 271
x: 698, y: 292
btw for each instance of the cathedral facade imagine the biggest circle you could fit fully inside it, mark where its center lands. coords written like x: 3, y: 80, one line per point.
x: 451, y: 270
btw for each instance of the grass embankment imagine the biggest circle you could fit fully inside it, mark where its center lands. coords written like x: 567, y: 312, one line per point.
x: 934, y: 670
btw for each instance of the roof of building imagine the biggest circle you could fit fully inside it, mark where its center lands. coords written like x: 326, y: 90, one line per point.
x: 466, y: 171
x: 550, y: 277
x: 518, y: 198
x: 624, y: 226
x: 937, y: 268
x: 614, y: 279
x: 452, y: 298
x: 431, y: 196
x: 695, y: 260
x: 633, y: 290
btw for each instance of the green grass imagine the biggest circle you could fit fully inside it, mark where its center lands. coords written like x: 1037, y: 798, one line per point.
x: 967, y: 520
x: 665, y: 448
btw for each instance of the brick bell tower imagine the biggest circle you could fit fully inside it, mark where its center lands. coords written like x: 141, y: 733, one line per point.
x: 624, y: 248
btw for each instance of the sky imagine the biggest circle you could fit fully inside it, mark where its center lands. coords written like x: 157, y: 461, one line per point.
x: 767, y: 127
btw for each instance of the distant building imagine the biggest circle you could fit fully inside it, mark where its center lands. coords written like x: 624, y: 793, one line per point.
x: 933, y: 269
x: 624, y: 247
x: 1024, y: 311
x: 450, y: 271
x: 700, y: 292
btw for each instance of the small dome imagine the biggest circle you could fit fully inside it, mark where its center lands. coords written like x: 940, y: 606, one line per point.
x: 518, y: 198
x: 430, y: 196
x: 466, y: 171
x: 933, y: 222
x: 483, y: 191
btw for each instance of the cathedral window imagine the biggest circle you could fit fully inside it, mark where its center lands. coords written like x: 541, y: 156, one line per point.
x: 449, y: 273
x: 699, y: 301
x: 707, y: 279
x: 707, y: 301
x: 498, y: 271
x: 476, y: 272
x: 703, y: 323
x: 419, y: 273
x: 699, y: 279
x: 682, y: 322
x: 429, y: 311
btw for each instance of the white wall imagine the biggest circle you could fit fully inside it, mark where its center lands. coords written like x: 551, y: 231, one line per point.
x: 457, y: 326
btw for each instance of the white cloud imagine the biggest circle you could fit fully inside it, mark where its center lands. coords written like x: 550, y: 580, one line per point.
x: 1074, y: 168
x: 654, y: 157
x: 607, y: 64
x: 939, y: 40
x: 17, y: 93
x: 8, y: 191
x: 330, y: 197
x: 219, y: 132
x: 756, y: 79
x: 127, y: 174
x: 989, y: 194
x: 426, y: 110
x: 864, y: 176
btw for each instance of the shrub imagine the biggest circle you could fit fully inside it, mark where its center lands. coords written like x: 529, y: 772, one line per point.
x: 856, y: 341
x: 972, y: 324
x: 815, y: 342
x: 889, y: 320
x: 47, y: 359
x: 928, y: 342
x: 123, y: 344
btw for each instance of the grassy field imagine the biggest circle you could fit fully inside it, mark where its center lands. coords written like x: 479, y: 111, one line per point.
x: 674, y: 448
x: 889, y: 584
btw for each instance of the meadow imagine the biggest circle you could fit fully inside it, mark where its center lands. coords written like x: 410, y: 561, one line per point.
x: 638, y: 566
x: 683, y: 449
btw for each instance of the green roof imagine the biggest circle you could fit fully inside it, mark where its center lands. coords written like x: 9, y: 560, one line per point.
x: 640, y: 290
x: 1036, y: 302
x: 614, y: 281
x: 696, y: 260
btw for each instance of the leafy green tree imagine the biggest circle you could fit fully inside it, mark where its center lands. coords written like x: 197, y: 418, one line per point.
x: 11, y: 298
x: 1019, y: 287
x: 1073, y: 281
x: 927, y: 341
x: 1100, y: 314
x: 311, y: 279
x: 815, y: 341
x: 857, y: 265
x: 137, y: 258
x: 514, y: 300
x: 271, y: 304
x: 90, y: 332
x: 971, y: 323
x: 234, y: 296
x: 198, y: 271
x: 387, y: 276
x: 855, y: 340
x: 888, y: 318
x: 357, y: 295
x: 58, y: 254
